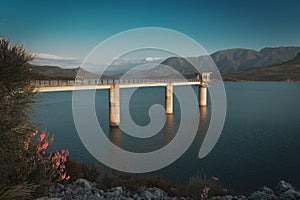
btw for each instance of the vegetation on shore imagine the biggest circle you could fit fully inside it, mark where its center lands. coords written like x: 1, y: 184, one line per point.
x: 106, y: 178
x: 25, y: 166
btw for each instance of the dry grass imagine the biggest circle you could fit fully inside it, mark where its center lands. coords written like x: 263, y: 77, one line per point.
x: 20, y: 191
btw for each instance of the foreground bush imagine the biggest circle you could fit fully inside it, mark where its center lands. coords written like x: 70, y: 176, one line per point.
x: 25, y: 166
x: 16, y: 96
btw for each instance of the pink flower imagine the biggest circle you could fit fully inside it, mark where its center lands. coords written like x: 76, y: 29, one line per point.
x: 57, y: 163
x: 43, y: 161
x: 204, y: 196
x: 206, y: 189
x: 65, y: 152
x: 42, y: 136
x: 63, y: 166
x: 63, y: 159
x: 45, y: 145
x: 214, y: 178
x: 63, y: 176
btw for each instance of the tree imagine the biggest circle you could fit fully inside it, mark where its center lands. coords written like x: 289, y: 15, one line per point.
x: 16, y: 98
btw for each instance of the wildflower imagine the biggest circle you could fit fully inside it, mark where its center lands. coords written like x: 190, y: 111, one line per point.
x: 63, y: 159
x: 204, y: 196
x: 57, y: 163
x: 45, y: 145
x: 67, y: 152
x: 42, y: 136
x: 205, y: 189
x: 63, y: 166
x: 68, y: 177
x: 63, y: 176
x: 54, y: 158
x: 43, y: 161
x: 215, y: 178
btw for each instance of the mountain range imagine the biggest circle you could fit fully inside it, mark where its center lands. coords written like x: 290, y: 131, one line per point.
x: 234, y: 60
x: 287, y: 71
x: 273, y: 64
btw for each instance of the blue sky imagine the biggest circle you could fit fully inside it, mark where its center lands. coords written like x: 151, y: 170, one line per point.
x: 72, y: 28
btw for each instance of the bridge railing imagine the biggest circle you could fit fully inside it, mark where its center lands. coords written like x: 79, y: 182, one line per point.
x: 49, y: 83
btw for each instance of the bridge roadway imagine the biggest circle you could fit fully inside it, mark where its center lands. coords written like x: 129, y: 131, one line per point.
x: 108, y: 86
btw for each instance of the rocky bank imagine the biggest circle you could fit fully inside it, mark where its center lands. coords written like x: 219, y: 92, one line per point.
x: 82, y: 189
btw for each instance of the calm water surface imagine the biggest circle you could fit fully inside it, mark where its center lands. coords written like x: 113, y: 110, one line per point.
x: 260, y: 142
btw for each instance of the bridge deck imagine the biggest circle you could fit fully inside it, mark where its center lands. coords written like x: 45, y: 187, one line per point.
x: 107, y: 86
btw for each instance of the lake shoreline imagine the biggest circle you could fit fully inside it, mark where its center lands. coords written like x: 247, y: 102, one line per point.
x: 84, y: 189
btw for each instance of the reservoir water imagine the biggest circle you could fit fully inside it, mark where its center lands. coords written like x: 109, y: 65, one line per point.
x: 259, y: 144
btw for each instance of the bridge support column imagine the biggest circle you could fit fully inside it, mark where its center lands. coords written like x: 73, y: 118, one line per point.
x: 114, y: 105
x: 203, y: 94
x: 169, y: 98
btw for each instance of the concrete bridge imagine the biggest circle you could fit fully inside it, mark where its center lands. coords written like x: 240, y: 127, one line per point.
x: 114, y: 87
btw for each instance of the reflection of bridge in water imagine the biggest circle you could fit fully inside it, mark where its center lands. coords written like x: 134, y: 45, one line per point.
x: 114, y: 86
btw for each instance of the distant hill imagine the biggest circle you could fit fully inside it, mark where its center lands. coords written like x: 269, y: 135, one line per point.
x: 58, y: 73
x: 287, y: 71
x: 243, y: 59
x: 233, y: 60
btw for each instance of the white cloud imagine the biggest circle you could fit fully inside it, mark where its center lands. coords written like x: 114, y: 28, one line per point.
x: 53, y: 57
x: 151, y: 59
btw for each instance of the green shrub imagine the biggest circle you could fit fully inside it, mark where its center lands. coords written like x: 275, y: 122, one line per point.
x: 25, y: 166
x: 16, y: 96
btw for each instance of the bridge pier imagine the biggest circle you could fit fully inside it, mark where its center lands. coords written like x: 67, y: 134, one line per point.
x: 203, y: 94
x: 114, y: 105
x: 169, y: 98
